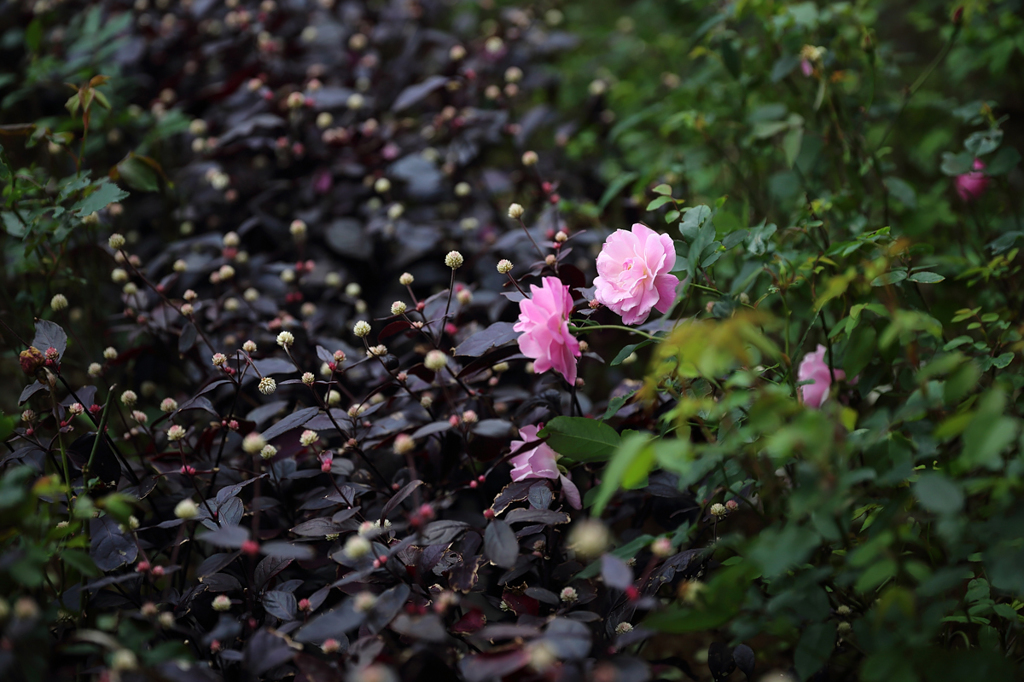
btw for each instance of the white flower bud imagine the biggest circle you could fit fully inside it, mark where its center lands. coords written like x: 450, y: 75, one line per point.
x: 267, y: 385
x: 454, y: 260
x: 361, y: 328
x: 435, y: 360
x: 186, y: 509
x: 516, y: 211
x: 285, y: 339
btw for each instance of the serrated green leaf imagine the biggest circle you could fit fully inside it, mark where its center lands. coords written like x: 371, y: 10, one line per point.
x: 103, y: 194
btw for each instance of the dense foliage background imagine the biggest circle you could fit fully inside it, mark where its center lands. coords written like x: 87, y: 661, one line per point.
x: 268, y: 416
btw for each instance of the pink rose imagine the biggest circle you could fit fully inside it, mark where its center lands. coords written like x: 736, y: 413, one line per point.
x: 540, y: 463
x: 633, y: 273
x: 544, y: 323
x: 813, y: 368
x: 970, y: 186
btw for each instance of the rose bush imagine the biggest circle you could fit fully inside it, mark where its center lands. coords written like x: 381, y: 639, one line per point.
x: 332, y: 357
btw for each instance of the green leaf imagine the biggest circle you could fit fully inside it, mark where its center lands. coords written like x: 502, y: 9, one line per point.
x: 731, y: 58
x: 137, y: 174
x: 616, y: 403
x: 627, y: 350
x: 616, y: 186
x: 901, y: 190
x: 693, y: 218
x: 658, y: 203
x: 989, y: 433
x: 104, y: 194
x: 925, y: 277
x: 615, y: 472
x: 776, y: 551
x: 581, y: 438
x: 791, y: 144
x: 891, y: 277
x: 735, y: 238
x: 814, y: 649
x: 1005, y: 160
x: 957, y: 164
x: 663, y: 189
x: 13, y: 225
x: 983, y: 141
x: 938, y: 494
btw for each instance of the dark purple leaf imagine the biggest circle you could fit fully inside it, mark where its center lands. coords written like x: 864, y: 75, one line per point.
x: 720, y: 660
x: 540, y: 496
x: 428, y: 628
x: 265, y: 412
x: 267, y: 569
x: 265, y: 651
x: 540, y: 594
x: 226, y: 536
x: 443, y: 532
x: 431, y: 428
x: 221, y: 582
x: 500, y: 544
x: 570, y: 639
x: 331, y: 625
x: 286, y: 550
x: 274, y: 366
x: 187, y: 338
x: 516, y: 491
x: 198, y: 403
x: 498, y: 334
x: 30, y: 391
x: 317, y: 528
x: 744, y: 658
x: 547, y: 517
x: 280, y: 604
x: 50, y: 335
x: 493, y: 428
x: 615, y: 572
x: 215, y: 563
x: 110, y: 548
x: 292, y: 421
x: 387, y: 606
x: 488, y: 666
x: 399, y: 497
x: 414, y: 93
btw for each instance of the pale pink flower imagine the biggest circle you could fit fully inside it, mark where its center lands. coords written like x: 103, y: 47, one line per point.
x: 633, y: 273
x: 972, y: 185
x: 544, y: 323
x: 540, y: 462
x: 813, y: 368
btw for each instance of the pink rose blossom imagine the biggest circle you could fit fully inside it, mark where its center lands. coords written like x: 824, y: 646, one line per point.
x: 972, y: 185
x: 544, y: 323
x: 633, y: 273
x: 540, y: 463
x: 813, y: 368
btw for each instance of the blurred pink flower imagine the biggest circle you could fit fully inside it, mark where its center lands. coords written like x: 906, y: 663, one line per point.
x: 806, y: 68
x: 540, y: 463
x: 813, y: 368
x: 633, y: 273
x: 972, y: 185
x: 544, y: 323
